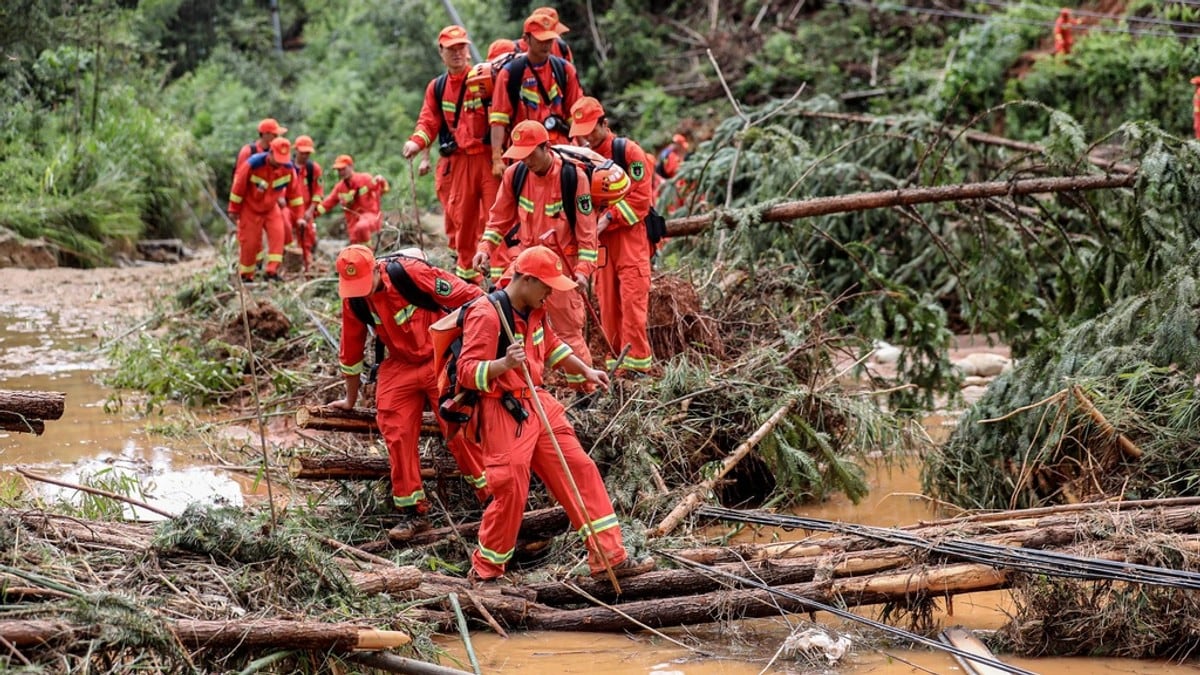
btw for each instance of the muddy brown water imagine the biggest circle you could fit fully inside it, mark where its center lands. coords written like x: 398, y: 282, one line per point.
x: 41, y: 349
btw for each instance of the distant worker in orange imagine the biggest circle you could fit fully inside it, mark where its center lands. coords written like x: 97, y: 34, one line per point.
x: 559, y: 48
x: 667, y: 167
x: 459, y: 125
x: 268, y: 130
x: 623, y: 283
x: 1063, y: 41
x: 360, y: 195
x: 263, y: 186
x: 309, y: 173
x: 515, y: 440
x: 399, y: 298
x: 534, y: 86
x: 538, y: 210
x: 1196, y: 107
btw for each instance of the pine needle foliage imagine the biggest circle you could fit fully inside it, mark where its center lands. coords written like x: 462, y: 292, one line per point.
x: 1136, y: 363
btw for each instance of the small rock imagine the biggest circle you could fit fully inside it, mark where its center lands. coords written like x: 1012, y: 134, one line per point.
x: 983, y: 364
x: 886, y: 353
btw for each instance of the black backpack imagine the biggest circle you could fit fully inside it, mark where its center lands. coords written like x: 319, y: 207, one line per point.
x: 407, y: 289
x: 656, y: 224
x: 464, y: 401
x: 570, y: 189
x: 516, y: 75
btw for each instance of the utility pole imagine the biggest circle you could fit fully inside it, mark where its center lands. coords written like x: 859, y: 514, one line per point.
x: 275, y: 23
x: 456, y: 19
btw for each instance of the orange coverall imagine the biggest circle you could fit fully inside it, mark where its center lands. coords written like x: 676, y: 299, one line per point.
x: 406, y: 379
x: 307, y: 237
x: 532, y: 106
x: 465, y: 184
x: 539, y: 210
x: 254, y: 198
x: 512, y: 449
x: 623, y: 283
x: 360, y: 197
x: 1196, y: 112
x: 1062, y: 35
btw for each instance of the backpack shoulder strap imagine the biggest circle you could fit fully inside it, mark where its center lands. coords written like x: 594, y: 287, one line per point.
x: 618, y: 148
x: 362, y: 312
x: 558, y: 68
x: 439, y: 90
x: 500, y: 297
x: 309, y: 177
x: 569, y: 179
x: 404, y: 284
x: 516, y: 72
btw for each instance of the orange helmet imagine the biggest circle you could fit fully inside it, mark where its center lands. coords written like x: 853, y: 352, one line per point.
x: 609, y: 183
x: 480, y: 81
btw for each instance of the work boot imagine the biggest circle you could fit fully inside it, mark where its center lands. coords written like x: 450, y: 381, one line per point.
x: 412, y: 522
x: 483, y: 584
x: 629, y: 567
x: 274, y: 277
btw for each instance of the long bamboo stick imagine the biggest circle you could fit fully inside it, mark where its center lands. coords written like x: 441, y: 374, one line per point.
x: 696, y: 496
x: 864, y: 201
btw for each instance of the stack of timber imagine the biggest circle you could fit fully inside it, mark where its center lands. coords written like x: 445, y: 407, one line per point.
x: 27, y: 411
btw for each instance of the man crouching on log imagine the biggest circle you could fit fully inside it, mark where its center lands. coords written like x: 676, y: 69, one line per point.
x: 402, y: 295
x: 515, y: 439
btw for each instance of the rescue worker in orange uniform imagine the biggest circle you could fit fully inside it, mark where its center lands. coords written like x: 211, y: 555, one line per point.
x: 360, y: 195
x: 500, y: 48
x: 666, y: 169
x: 623, y: 283
x: 308, y: 173
x: 268, y: 130
x: 406, y: 380
x: 513, y: 447
x: 559, y: 48
x: 537, y: 211
x: 541, y: 96
x: 1196, y: 107
x: 263, y: 186
x: 464, y: 180
x: 1063, y: 41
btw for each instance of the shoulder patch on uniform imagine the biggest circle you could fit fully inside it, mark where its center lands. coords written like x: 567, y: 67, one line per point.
x: 442, y: 287
x: 637, y: 170
x: 585, y: 204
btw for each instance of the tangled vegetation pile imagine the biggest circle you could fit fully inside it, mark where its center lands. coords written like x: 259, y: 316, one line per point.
x: 118, y: 597
x: 1108, y: 410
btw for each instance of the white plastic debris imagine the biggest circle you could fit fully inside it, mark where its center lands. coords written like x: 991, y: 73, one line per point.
x: 885, y: 353
x: 815, y: 642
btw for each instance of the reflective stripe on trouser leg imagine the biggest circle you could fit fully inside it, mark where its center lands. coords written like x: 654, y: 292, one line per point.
x: 274, y: 227
x: 249, y: 235
x: 546, y: 464
x: 400, y: 400
x: 566, y: 314
x: 506, y: 456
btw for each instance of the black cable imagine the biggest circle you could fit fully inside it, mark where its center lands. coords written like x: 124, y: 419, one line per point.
x: 816, y: 606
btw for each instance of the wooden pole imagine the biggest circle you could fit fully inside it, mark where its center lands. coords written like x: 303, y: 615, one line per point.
x: 399, y: 664
x: 350, y: 467
x: 864, y: 201
x: 36, y: 405
x: 357, y: 421
x: 697, y: 494
x: 1127, y: 446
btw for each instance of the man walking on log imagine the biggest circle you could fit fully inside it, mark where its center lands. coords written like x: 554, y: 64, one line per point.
x: 402, y: 296
x: 515, y: 441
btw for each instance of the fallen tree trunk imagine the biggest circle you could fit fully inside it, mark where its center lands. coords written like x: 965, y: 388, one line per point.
x: 357, y: 421
x: 350, y: 467
x: 11, y: 422
x: 25, y: 411
x: 864, y: 201
x: 221, y: 634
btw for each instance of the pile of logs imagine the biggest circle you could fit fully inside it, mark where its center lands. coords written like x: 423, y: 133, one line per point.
x: 27, y: 411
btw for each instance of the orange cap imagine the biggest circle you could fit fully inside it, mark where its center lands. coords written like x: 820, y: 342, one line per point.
x: 343, y: 161
x: 585, y: 114
x: 355, y: 268
x: 271, y: 126
x: 526, y: 137
x: 541, y: 27
x: 453, y: 35
x: 544, y: 265
x: 501, y: 47
x: 281, y: 150
x: 1196, y: 80
x: 681, y: 140
x: 304, y: 144
x: 559, y: 26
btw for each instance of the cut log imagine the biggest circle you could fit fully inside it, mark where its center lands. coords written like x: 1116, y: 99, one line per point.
x: 221, y: 634
x: 349, y: 467
x: 399, y: 664
x: 378, y: 579
x: 697, y: 494
x: 357, y: 421
x: 33, y: 405
x: 11, y: 422
x: 536, y: 525
x: 864, y: 201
